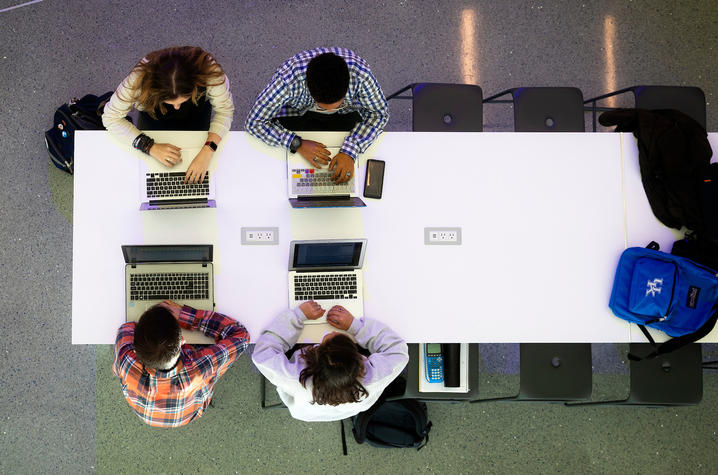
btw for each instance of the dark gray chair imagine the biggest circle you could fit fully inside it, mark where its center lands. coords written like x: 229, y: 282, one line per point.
x: 552, y: 372
x: 673, y: 379
x: 263, y: 397
x: 544, y: 109
x: 438, y: 107
x: 687, y: 99
x: 412, y: 376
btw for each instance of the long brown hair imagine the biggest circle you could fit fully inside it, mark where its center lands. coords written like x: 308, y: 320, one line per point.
x: 335, y: 367
x: 169, y: 73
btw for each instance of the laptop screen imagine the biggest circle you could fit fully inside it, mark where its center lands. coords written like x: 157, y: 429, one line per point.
x: 314, y: 255
x: 171, y: 253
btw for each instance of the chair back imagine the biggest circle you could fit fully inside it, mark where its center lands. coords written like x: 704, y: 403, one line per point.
x: 555, y: 371
x: 447, y: 108
x: 548, y: 109
x: 687, y: 99
x: 673, y: 379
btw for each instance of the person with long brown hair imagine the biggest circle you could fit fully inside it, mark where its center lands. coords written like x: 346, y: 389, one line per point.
x: 332, y: 380
x: 174, y: 88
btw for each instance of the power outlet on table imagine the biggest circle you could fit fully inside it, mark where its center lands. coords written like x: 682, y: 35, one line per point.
x: 451, y: 236
x: 254, y: 236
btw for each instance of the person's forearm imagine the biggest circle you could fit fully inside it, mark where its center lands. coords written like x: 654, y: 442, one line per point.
x: 212, y: 137
x: 212, y: 324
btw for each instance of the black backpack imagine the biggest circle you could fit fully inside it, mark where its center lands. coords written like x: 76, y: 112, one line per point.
x: 400, y: 423
x: 79, y: 114
x: 674, y: 157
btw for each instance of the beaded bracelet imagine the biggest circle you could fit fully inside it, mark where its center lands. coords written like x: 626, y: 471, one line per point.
x: 143, y: 143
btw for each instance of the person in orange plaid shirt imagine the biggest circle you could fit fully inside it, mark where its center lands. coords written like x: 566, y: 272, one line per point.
x: 169, y: 383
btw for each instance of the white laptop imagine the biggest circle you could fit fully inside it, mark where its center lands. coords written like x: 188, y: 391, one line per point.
x: 164, y: 188
x: 310, y: 187
x: 328, y: 272
x: 182, y: 273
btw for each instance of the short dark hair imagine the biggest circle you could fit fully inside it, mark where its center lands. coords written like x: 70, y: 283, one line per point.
x: 327, y: 78
x: 335, y: 367
x: 157, y: 337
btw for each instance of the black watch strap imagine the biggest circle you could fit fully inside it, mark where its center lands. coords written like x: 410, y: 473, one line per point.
x: 295, y: 144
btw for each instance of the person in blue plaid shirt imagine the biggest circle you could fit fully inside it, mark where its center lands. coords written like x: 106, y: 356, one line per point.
x: 326, y: 89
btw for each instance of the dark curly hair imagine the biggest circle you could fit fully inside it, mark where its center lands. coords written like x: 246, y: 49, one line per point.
x: 157, y: 337
x: 174, y: 72
x: 334, y: 367
x: 327, y: 78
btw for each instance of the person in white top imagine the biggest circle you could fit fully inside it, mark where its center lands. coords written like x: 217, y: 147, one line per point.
x: 174, y: 89
x: 329, y: 381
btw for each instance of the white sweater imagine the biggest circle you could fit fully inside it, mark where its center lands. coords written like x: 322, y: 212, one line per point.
x: 113, y: 118
x: 389, y: 355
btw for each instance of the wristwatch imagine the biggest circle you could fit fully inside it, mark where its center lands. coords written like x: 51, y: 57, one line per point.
x: 295, y: 144
x: 211, y: 145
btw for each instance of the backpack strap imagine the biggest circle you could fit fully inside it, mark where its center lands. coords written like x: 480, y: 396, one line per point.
x: 426, y: 437
x: 675, y: 343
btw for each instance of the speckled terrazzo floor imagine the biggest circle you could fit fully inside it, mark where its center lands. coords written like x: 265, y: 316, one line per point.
x: 61, y: 411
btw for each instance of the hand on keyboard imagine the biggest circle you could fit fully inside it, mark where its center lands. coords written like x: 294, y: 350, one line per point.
x: 343, y: 166
x: 339, y: 317
x: 198, y: 168
x: 314, y: 152
x: 311, y: 310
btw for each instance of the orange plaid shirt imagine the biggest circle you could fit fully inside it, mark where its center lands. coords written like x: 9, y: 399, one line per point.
x: 176, y: 397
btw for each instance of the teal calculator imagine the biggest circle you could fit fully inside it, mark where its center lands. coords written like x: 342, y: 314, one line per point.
x: 433, y: 362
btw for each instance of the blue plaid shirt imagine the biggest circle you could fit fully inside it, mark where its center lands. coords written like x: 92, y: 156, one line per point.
x: 287, y: 95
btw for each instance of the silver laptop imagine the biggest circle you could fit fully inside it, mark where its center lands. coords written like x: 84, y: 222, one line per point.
x: 310, y: 187
x: 329, y: 272
x: 182, y: 273
x: 164, y: 188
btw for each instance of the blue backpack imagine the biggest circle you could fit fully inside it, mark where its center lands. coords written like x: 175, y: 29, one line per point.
x: 666, y: 292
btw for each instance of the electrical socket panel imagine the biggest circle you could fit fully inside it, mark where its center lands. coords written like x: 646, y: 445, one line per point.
x: 260, y: 236
x: 442, y: 236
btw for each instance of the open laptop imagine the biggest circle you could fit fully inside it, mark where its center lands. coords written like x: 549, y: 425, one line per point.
x: 164, y: 188
x: 182, y: 273
x: 310, y: 187
x: 329, y: 272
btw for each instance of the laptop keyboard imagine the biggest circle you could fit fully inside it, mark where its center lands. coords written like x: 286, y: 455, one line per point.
x: 162, y: 185
x: 325, y: 287
x: 311, y: 181
x: 169, y: 285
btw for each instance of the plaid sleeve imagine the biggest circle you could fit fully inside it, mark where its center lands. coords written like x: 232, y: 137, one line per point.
x: 231, y: 336
x: 123, y: 349
x: 267, y: 106
x: 375, y: 114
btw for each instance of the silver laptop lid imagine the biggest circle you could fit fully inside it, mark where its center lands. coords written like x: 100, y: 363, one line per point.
x: 327, y: 255
x: 200, y: 253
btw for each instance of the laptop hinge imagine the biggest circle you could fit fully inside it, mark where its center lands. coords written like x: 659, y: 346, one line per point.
x: 134, y: 266
x: 204, y: 264
x: 299, y: 271
x: 178, y: 201
x: 323, y: 197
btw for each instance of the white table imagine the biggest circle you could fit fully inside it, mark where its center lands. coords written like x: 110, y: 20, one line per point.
x: 642, y: 226
x: 541, y: 214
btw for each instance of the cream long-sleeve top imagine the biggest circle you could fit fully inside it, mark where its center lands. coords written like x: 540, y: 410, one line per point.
x: 389, y: 355
x: 122, y: 101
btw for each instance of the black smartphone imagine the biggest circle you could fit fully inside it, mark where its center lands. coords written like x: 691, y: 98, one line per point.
x: 374, y: 178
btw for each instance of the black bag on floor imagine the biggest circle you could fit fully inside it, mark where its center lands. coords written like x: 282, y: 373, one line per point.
x: 401, y: 423
x: 79, y: 114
